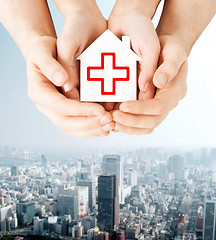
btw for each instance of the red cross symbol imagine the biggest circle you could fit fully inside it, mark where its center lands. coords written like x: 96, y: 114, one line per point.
x: 106, y: 70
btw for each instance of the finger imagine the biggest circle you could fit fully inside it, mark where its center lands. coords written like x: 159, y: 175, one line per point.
x: 164, y: 100
x: 52, y: 70
x: 67, y: 49
x: 148, y: 107
x: 148, y: 66
x: 172, y: 58
x: 69, y: 46
x: 148, y: 94
x: 73, y: 94
x: 44, y: 93
x: 76, y: 124
x: 132, y: 130
x: 138, y: 121
x: 147, y: 46
x: 44, y: 60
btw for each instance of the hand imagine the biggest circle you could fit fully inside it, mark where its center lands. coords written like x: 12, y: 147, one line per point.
x: 75, y: 118
x: 83, y: 24
x: 131, y: 20
x: 142, y: 116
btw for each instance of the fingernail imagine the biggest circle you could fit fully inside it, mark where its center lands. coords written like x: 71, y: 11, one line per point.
x: 162, y: 79
x: 107, y: 128
x: 146, y: 87
x: 59, y: 78
x: 67, y: 87
x: 104, y: 121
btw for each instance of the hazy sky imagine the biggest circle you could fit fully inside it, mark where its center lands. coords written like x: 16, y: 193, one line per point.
x: 192, y: 123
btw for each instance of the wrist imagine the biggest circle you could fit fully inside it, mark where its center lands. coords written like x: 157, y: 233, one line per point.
x: 183, y: 37
x: 144, y: 7
x: 34, y: 42
x: 174, y: 41
x: 69, y: 7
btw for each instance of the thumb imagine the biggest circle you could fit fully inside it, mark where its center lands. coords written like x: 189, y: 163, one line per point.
x: 42, y: 57
x: 51, y: 69
x: 68, y: 50
x: 172, y: 58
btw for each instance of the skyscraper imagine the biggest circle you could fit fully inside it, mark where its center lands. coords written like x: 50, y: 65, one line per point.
x: 209, y: 223
x: 44, y: 161
x: 175, y: 166
x: 14, y: 170
x: 108, y: 202
x: 112, y: 164
x: 91, y: 184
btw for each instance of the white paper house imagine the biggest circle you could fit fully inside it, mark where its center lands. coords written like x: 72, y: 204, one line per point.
x: 108, y: 70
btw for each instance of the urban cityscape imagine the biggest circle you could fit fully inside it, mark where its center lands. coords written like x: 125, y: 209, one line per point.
x: 145, y: 193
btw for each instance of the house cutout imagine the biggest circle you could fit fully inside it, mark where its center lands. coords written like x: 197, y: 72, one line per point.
x: 108, y: 70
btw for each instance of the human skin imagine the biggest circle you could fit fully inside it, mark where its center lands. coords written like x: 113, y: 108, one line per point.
x: 133, y: 18
x: 184, y: 21
x: 23, y: 18
x: 84, y: 23
x: 177, y: 35
x: 143, y: 116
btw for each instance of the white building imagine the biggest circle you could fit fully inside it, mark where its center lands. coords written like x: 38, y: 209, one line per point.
x: 74, y: 202
x: 91, y: 184
x: 132, y: 177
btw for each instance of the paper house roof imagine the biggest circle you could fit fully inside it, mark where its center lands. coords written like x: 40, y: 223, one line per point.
x: 107, y: 42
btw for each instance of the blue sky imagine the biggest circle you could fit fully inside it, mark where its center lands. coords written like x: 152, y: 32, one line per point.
x: 192, y: 123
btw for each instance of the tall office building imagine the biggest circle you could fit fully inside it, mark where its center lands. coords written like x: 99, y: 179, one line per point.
x: 74, y: 202
x: 44, y: 161
x: 108, y: 202
x: 209, y: 223
x: 176, y: 166
x: 112, y: 164
x: 14, y: 170
x: 91, y: 184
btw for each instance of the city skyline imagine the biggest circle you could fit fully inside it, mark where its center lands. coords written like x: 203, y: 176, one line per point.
x: 73, y: 198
